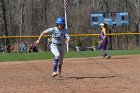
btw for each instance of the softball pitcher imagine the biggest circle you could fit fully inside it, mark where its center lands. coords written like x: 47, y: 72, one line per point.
x: 102, y: 44
x: 60, y: 38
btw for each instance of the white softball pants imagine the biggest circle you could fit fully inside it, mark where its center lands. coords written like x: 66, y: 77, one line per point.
x: 58, y: 52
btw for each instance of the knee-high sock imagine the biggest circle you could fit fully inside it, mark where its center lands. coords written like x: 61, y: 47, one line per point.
x: 55, y: 64
x: 59, y: 68
x: 103, y: 52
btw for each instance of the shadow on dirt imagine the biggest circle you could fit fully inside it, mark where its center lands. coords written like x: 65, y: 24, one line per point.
x: 120, y: 58
x: 102, y: 77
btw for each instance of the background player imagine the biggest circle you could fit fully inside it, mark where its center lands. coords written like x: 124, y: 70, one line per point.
x: 102, y: 44
x: 60, y: 38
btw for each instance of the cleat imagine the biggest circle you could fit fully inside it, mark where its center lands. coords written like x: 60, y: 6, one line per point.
x: 60, y: 76
x: 104, y: 55
x: 108, y: 57
x: 54, y: 74
x: 59, y: 73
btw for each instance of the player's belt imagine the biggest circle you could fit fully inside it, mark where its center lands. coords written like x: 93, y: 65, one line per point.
x: 57, y: 44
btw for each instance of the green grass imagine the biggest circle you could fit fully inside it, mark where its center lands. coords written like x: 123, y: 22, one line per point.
x: 6, y: 57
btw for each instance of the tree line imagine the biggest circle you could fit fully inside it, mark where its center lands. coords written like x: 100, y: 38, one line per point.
x: 31, y: 17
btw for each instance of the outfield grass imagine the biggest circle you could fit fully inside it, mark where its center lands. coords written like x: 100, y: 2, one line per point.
x: 6, y: 57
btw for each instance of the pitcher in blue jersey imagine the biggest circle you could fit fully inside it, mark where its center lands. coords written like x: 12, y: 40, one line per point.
x: 102, y: 44
x: 60, y: 37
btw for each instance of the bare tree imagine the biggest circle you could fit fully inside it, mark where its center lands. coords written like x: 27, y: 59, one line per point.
x: 5, y: 33
x: 31, y: 17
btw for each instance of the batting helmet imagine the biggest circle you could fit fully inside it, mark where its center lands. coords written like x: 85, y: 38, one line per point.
x: 60, y: 20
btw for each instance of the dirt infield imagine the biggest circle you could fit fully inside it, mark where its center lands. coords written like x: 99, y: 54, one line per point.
x: 121, y: 74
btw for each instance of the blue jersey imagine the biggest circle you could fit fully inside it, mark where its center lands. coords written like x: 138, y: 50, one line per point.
x: 58, y: 36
